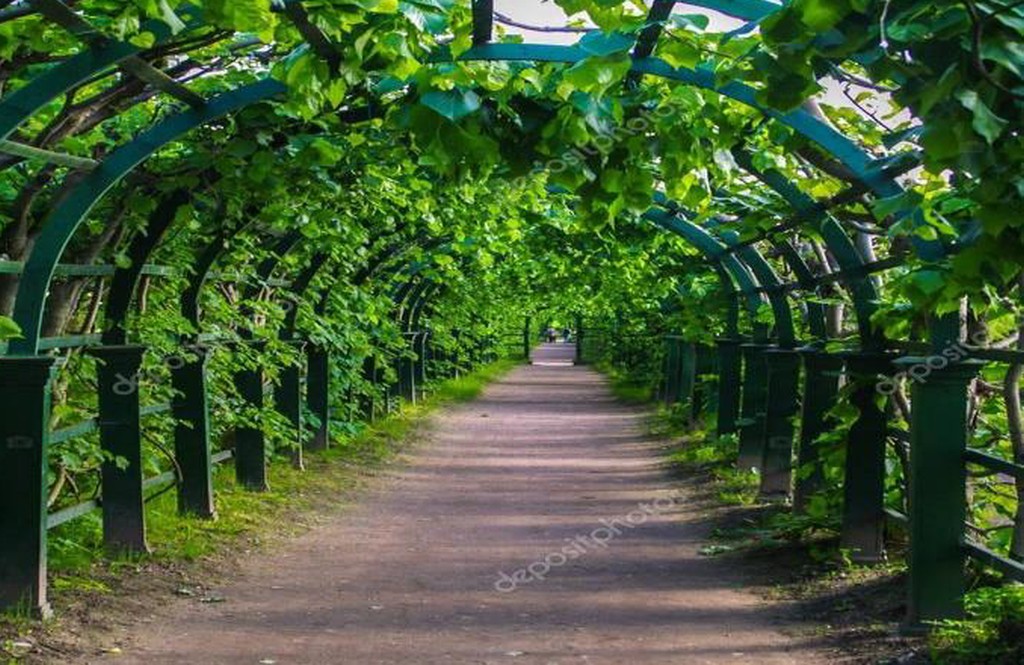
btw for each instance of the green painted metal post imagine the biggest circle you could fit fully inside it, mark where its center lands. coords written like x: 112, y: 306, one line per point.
x: 250, y: 444
x: 422, y: 360
x: 782, y: 406
x: 390, y: 390
x: 687, y: 381
x: 120, y: 425
x: 191, y: 411
x: 25, y: 384
x: 368, y: 402
x: 288, y: 402
x: 318, y: 394
x: 821, y: 385
x: 454, y: 357
x: 527, y: 339
x: 755, y: 394
x: 578, y: 360
x: 670, y: 392
x: 863, y: 527
x: 937, y: 496
x: 407, y: 371
x: 704, y: 364
x: 730, y: 371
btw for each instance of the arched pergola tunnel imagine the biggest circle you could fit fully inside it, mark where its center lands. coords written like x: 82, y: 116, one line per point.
x: 774, y: 366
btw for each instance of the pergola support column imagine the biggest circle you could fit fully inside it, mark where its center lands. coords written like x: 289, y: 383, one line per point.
x: 423, y: 362
x: 821, y: 386
x: 191, y: 411
x: 937, y: 494
x: 318, y: 394
x: 527, y: 338
x: 578, y: 359
x: 25, y: 392
x: 367, y: 402
x: 755, y: 395
x: 250, y: 443
x: 782, y: 404
x: 730, y: 371
x: 407, y: 370
x: 863, y: 527
x: 288, y: 402
x: 670, y: 393
x: 120, y: 426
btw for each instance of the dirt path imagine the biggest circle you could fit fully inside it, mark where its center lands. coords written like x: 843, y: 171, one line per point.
x: 505, y: 483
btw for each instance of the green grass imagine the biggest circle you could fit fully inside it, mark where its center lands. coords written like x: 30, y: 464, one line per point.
x: 245, y: 519
x: 626, y: 388
x: 992, y: 632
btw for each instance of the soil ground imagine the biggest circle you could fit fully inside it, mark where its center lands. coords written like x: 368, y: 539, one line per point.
x: 545, y: 473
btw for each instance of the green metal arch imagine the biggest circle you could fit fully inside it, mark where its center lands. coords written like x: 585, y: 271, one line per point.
x: 64, y: 220
x: 59, y: 80
x: 870, y: 172
x: 730, y: 264
x: 862, y: 291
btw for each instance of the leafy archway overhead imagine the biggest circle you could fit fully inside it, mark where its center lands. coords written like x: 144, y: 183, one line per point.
x: 653, y: 100
x: 338, y: 201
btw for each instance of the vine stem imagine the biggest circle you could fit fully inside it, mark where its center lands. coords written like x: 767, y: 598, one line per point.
x: 977, y: 33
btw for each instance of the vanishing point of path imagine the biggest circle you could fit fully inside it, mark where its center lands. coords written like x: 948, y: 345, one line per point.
x: 409, y: 575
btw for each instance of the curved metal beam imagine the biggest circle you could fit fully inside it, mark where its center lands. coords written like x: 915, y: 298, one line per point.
x: 64, y: 220
x: 869, y: 171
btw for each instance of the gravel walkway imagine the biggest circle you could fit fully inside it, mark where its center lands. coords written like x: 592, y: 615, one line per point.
x: 544, y: 474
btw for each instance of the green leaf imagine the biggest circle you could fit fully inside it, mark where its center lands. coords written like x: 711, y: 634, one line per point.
x: 9, y: 329
x: 985, y: 122
x: 452, y: 104
x: 602, y: 44
x: 697, y: 21
x: 929, y: 282
x: 143, y: 40
x: 821, y: 15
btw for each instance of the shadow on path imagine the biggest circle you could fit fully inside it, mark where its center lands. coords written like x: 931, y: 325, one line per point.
x: 545, y: 471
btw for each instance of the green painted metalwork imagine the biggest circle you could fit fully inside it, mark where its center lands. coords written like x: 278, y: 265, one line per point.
x: 753, y: 405
x: 862, y: 290
x: 750, y: 10
x: 730, y: 370
x: 821, y: 386
x: 781, y: 407
x: 120, y: 421
x: 864, y: 481
x: 483, y: 21
x: 288, y: 402
x: 250, y: 444
x: 192, y: 433
x: 938, y: 409
x: 25, y: 390
x: 937, y: 491
x: 20, y: 105
x: 63, y: 221
x: 318, y: 393
x: 768, y: 278
x: 704, y: 242
x: 250, y: 441
x: 801, y: 121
